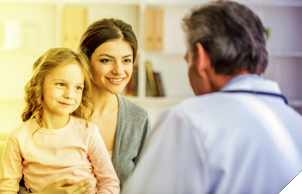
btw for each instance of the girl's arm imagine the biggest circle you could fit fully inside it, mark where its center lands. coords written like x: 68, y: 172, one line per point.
x: 102, y: 165
x: 61, y: 188
x: 11, y: 167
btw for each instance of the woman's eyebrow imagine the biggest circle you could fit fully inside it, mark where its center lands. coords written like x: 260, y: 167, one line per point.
x: 130, y: 55
x: 106, y: 55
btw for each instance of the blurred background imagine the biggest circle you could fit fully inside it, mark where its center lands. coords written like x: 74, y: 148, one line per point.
x: 30, y: 27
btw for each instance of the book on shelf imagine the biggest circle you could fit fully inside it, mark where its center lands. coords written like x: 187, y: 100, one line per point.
x: 148, y: 86
x: 159, y: 84
x: 132, y: 86
x: 151, y: 78
x: 154, y: 82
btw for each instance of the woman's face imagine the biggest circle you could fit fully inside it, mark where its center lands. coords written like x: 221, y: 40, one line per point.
x: 111, y: 65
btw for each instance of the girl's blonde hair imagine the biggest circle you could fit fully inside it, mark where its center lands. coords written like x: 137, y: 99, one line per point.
x: 50, y: 60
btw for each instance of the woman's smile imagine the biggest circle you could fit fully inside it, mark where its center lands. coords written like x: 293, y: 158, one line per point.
x: 116, y: 81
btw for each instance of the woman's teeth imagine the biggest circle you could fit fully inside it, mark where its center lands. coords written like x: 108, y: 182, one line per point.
x: 116, y: 80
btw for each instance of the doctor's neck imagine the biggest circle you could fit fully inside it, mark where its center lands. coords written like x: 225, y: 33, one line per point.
x: 217, y: 81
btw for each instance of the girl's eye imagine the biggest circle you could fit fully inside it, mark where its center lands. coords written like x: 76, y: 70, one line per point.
x: 60, y: 84
x: 105, y: 60
x: 79, y: 88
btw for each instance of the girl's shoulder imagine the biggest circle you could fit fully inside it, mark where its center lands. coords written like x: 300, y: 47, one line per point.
x: 26, y: 127
x: 82, y: 123
x: 83, y: 129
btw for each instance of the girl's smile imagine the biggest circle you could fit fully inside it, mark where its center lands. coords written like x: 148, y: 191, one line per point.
x: 66, y: 104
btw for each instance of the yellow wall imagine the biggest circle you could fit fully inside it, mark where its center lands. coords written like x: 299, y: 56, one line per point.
x: 10, y: 111
x: 16, y: 65
x: 10, y: 114
x: 15, y: 71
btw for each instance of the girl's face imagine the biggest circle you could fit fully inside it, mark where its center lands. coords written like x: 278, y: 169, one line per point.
x: 62, y: 90
x: 112, y: 64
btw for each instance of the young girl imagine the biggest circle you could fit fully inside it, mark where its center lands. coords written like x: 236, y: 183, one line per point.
x: 55, y: 141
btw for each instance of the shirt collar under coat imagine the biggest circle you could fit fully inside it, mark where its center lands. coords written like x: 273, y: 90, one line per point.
x: 251, y: 82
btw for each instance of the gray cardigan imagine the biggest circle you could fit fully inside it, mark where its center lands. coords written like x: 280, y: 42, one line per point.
x: 132, y: 128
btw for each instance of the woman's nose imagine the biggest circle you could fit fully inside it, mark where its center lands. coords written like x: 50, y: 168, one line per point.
x: 118, y: 69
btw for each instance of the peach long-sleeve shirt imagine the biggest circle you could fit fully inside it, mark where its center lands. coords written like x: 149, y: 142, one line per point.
x: 73, y: 152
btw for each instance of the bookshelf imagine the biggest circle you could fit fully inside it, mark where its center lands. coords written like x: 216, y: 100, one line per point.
x: 283, y: 17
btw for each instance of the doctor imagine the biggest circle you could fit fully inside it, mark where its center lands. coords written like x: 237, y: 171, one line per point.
x: 238, y: 135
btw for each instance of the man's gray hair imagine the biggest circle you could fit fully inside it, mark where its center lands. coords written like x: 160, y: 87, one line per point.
x: 231, y: 34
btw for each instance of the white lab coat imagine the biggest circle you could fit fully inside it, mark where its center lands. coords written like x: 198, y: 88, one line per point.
x: 222, y: 143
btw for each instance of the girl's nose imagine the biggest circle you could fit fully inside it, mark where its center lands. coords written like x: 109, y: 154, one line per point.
x: 68, y: 93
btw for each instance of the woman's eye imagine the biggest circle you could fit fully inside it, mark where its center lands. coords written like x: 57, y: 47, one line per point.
x: 128, y: 60
x: 105, y: 60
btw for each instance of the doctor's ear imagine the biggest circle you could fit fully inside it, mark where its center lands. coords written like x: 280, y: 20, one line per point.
x: 201, y: 57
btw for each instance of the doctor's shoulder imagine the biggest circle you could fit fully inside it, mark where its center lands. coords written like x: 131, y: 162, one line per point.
x: 191, y: 106
x: 180, y: 109
x: 201, y: 101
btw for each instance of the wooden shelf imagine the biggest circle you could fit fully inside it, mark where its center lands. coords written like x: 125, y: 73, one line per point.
x: 271, y: 53
x: 162, y: 100
x: 11, y: 98
x: 295, y: 103
x: 119, y: 2
x: 272, y: 3
x: 30, y: 1
x: 285, y: 54
x: 5, y: 51
x: 166, y: 53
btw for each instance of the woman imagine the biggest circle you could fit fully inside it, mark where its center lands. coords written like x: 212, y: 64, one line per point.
x: 111, y: 47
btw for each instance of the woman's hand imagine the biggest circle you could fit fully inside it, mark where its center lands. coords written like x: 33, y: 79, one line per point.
x: 67, y: 186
